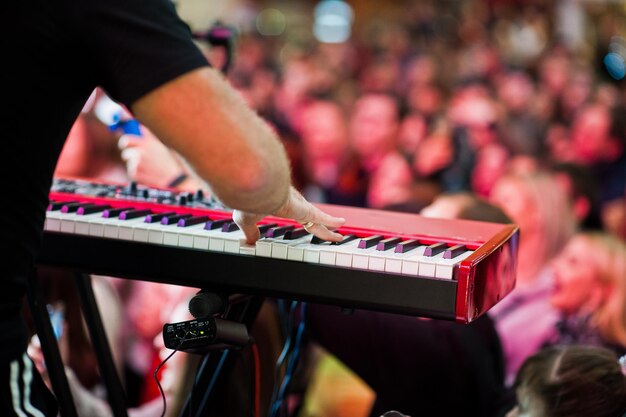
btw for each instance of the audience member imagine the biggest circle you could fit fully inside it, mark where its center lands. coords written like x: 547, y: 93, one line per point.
x: 525, y: 318
x: 571, y: 381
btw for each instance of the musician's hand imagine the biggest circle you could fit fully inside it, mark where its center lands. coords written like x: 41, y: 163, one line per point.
x: 297, y: 208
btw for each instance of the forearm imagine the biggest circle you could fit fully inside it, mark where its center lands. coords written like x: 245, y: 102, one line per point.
x: 226, y: 143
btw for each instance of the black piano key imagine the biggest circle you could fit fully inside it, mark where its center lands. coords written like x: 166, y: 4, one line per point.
x: 454, y: 251
x: 190, y: 221
x: 215, y: 224
x: 133, y: 214
x: 94, y: 208
x: 407, y: 245
x: 263, y: 228
x: 73, y: 207
x: 155, y: 218
x: 111, y: 213
x: 57, y: 205
x: 230, y: 227
x: 345, y: 239
x: 174, y: 219
x: 370, y: 241
x: 388, y: 243
x: 295, y: 233
x: 435, y: 249
x: 278, y: 231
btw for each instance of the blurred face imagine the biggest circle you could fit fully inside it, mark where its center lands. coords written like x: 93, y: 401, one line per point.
x: 444, y: 208
x: 511, y: 196
x: 374, y: 125
x: 576, y: 281
x: 590, y: 134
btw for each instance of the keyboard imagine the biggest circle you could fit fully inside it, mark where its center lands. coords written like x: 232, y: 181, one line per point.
x: 392, y: 262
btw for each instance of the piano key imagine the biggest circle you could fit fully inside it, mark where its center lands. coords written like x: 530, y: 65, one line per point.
x: 311, y: 252
x: 411, y: 261
x: 68, y: 221
x: 263, y: 228
x: 394, y: 261
x: 280, y: 248
x: 72, y: 207
x: 216, y: 224
x: 133, y: 214
x: 407, y: 245
x: 445, y: 268
x: 435, y: 249
x: 378, y: 258
x: 230, y: 227
x: 156, y: 218
x: 388, y: 243
x: 454, y: 251
x: 174, y: 219
x: 93, y: 208
x: 193, y: 220
x: 126, y: 227
x: 295, y: 233
x: 428, y: 264
x: 370, y: 241
x: 115, y: 212
x: 338, y: 255
x: 279, y: 230
x: 56, y: 205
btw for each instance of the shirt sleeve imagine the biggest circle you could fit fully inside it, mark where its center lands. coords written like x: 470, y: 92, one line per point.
x: 136, y: 46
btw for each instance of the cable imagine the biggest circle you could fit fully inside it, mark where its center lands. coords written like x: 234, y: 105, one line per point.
x: 278, y: 402
x: 283, y: 355
x: 158, y: 368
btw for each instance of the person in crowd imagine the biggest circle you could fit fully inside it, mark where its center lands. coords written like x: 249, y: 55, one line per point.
x: 582, y: 190
x: 373, y: 135
x: 571, y: 381
x: 590, y: 292
x: 525, y: 318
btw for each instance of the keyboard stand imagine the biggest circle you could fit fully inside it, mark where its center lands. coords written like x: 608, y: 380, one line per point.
x: 50, y: 348
x: 209, y: 378
x: 216, y: 366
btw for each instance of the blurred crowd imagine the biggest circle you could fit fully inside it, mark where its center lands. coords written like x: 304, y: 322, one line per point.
x: 503, y: 102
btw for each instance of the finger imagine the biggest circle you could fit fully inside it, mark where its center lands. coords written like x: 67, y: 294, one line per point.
x: 247, y: 223
x: 128, y: 141
x: 320, y: 217
x: 323, y: 233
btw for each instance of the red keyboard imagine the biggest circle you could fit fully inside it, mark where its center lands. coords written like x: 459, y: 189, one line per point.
x: 393, y: 262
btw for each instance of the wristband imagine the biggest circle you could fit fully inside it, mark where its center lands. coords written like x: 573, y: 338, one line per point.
x: 178, y: 180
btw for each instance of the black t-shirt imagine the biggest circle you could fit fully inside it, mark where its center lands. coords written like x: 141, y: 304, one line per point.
x: 54, y: 54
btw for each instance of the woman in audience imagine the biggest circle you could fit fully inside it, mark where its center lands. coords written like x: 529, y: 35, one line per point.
x: 590, y: 292
x: 573, y: 381
x: 525, y: 319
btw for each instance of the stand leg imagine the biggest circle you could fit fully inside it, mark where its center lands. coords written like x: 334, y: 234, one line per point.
x: 115, y: 390
x: 50, y: 348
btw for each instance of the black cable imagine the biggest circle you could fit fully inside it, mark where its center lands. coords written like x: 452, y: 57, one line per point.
x: 158, y: 368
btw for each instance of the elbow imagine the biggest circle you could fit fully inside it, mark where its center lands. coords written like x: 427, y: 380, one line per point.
x: 260, y: 187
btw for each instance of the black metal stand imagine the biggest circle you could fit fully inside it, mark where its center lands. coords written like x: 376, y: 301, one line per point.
x: 100, y: 343
x: 50, y: 348
x: 217, y: 364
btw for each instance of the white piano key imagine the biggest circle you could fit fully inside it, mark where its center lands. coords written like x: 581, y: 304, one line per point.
x: 187, y: 235
x: 53, y: 221
x: 411, y: 263
x: 264, y: 247
x: 312, y: 252
x: 280, y: 248
x: 218, y: 239
x: 394, y: 261
x: 361, y: 257
x: 378, y: 258
x: 296, y: 253
x: 156, y: 234
x: 127, y: 228
x: 445, y: 267
x: 428, y: 264
x: 340, y: 255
